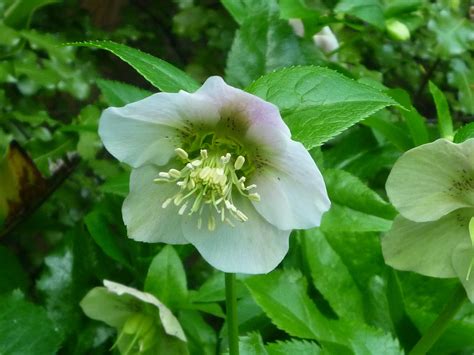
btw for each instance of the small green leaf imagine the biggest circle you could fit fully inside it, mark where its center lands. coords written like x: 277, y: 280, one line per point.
x: 242, y: 9
x: 18, y: 15
x: 166, y: 278
x: 318, y: 103
x: 25, y: 328
x: 369, y: 11
x: 445, y: 122
x: 464, y: 133
x: 120, y: 94
x: 159, y: 73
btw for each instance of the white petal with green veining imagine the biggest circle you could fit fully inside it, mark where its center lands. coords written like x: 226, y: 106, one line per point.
x: 292, y: 190
x: 462, y: 259
x: 143, y: 215
x: 432, y: 180
x: 251, y: 247
x: 426, y: 247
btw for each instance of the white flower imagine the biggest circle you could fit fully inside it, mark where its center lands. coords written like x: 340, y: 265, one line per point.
x: 216, y: 168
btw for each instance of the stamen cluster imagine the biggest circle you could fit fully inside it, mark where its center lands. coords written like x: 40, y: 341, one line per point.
x: 209, y: 180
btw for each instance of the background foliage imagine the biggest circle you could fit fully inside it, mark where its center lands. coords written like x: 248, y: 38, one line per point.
x: 61, y: 193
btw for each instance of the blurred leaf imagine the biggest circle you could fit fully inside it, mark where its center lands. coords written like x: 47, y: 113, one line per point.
x: 166, y: 278
x: 242, y: 9
x: 389, y: 130
x: 345, y: 219
x: 117, y: 185
x: 300, y: 347
x: 252, y: 344
x: 369, y: 11
x: 18, y: 15
x: 464, y: 133
x: 462, y: 77
x: 25, y: 328
x: 202, y: 338
x: 262, y: 44
x: 159, y: 73
x: 213, y: 290
x: 290, y: 9
x: 318, y: 103
x: 20, y: 183
x: 119, y: 94
x: 12, y: 275
x: 453, y: 33
x: 445, y: 122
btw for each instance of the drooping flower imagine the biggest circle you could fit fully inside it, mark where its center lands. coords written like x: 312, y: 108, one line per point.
x: 145, y: 325
x: 216, y: 168
x: 432, y: 186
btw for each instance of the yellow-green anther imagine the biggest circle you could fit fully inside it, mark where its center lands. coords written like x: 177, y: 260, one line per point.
x: 239, y: 162
x: 181, y: 153
x: 174, y: 173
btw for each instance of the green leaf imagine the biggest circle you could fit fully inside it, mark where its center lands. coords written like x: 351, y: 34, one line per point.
x: 252, y: 344
x: 345, y: 219
x: 393, y: 133
x: 464, y: 133
x: 290, y: 9
x: 331, y: 276
x: 166, y: 278
x: 242, y: 9
x: 12, y: 275
x: 213, y: 290
x: 318, y: 103
x: 18, y: 15
x: 348, y: 190
x: 415, y: 122
x: 300, y: 347
x: 462, y: 77
x: 282, y: 296
x: 262, y: 44
x: 453, y: 33
x: 202, y: 338
x: 445, y: 122
x: 369, y: 11
x: 120, y: 94
x: 25, y: 328
x: 117, y: 185
x: 101, y: 227
x: 159, y: 73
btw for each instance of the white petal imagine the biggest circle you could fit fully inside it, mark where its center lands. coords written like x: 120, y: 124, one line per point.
x: 168, y: 320
x: 148, y: 131
x: 432, y: 180
x: 426, y: 247
x: 142, y: 210
x: 292, y: 191
x: 251, y: 247
x: 248, y: 118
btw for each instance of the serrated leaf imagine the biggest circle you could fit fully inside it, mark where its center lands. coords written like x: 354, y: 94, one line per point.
x: 331, y: 276
x: 159, y: 73
x: 25, y: 329
x: 166, y: 278
x: 318, y: 103
x: 120, y: 94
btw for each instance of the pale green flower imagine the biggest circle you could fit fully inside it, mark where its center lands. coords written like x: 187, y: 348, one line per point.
x: 432, y: 186
x: 216, y: 168
x: 145, y: 325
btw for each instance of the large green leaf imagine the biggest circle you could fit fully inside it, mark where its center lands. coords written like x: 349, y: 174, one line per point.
x: 25, y: 328
x: 166, y: 278
x: 18, y: 15
x: 159, y: 73
x: 318, y: 103
x: 331, y: 276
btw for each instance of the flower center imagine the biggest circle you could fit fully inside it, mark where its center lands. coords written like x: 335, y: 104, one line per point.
x: 209, y: 181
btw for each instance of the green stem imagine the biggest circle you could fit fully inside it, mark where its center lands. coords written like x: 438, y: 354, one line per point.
x: 231, y: 310
x: 440, y: 324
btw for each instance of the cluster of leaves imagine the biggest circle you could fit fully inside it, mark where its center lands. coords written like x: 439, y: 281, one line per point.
x: 60, y: 193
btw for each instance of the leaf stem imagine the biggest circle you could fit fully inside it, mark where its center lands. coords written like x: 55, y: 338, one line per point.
x: 441, y: 323
x: 231, y: 312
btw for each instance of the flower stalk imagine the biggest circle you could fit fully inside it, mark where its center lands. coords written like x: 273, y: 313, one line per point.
x: 441, y: 323
x: 231, y: 313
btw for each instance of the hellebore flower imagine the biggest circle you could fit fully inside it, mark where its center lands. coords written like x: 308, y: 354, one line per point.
x: 145, y: 325
x: 216, y: 168
x: 432, y: 186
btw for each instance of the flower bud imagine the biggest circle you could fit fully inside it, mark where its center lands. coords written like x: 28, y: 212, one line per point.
x: 397, y: 30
